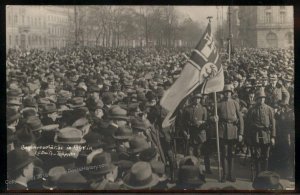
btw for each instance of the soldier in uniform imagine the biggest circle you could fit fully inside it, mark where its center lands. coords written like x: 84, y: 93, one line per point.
x: 231, y: 128
x: 194, y: 117
x: 261, y: 131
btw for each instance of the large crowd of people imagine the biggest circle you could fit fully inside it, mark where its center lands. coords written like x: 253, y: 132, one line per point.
x: 90, y: 118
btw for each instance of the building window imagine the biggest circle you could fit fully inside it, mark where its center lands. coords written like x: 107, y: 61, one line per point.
x: 17, y: 39
x: 16, y: 19
x: 9, y: 39
x: 35, y: 22
x: 282, y: 17
x: 23, y: 19
x: 45, y: 41
x: 9, y: 19
x: 29, y: 39
x: 289, y: 37
x: 282, y: 7
x: 268, y: 17
x: 268, y: 7
x: 272, y: 39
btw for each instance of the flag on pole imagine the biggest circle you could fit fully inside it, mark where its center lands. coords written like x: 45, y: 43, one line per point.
x: 203, y: 67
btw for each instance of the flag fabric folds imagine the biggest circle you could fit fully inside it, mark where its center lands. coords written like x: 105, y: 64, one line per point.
x: 203, y: 67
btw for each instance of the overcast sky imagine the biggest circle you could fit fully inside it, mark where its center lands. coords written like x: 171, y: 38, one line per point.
x: 199, y: 13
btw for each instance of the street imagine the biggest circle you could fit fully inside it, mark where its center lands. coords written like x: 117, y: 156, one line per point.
x: 243, y: 175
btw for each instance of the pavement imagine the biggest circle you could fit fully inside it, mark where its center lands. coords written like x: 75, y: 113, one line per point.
x: 243, y: 176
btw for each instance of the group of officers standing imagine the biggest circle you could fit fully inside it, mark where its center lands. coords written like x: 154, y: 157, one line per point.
x: 265, y: 124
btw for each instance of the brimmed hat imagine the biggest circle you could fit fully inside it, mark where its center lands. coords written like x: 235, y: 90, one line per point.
x: 138, y: 144
x: 123, y: 133
x: 94, y: 140
x: 11, y: 115
x: 140, y: 177
x: 102, y: 164
x: 108, y: 98
x: 80, y: 123
x: 69, y: 135
x: 93, y: 88
x: 267, y: 180
x: 260, y: 94
x: 158, y: 167
x: 53, y: 177
x: 148, y: 154
x: 18, y: 159
x: 77, y: 102
x: 29, y: 102
x: 49, y: 108
x: 25, y: 137
x: 273, y: 77
x: 17, y: 92
x: 13, y: 101
x: 34, y: 123
x: 288, y: 78
x: 228, y: 88
x: 189, y: 161
x: 43, y: 101
x: 189, y: 174
x: 139, y: 124
x: 117, y: 112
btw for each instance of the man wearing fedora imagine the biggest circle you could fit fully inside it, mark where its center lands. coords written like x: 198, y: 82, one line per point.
x: 231, y: 129
x: 20, y: 169
x: 117, y: 118
x: 262, y: 131
x: 49, y: 114
x: 12, y: 120
x: 190, y: 174
x: 276, y: 92
x: 140, y: 177
x: 102, y: 173
x: 67, y: 138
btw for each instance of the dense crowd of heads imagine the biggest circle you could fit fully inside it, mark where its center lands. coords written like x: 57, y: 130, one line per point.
x: 106, y: 100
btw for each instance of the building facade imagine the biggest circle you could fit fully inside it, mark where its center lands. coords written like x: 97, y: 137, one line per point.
x: 41, y: 27
x: 266, y: 26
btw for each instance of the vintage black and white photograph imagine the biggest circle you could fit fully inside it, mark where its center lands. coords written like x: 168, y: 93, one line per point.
x: 107, y: 97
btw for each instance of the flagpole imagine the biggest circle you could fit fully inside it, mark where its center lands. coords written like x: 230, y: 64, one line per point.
x: 217, y: 136
x: 217, y: 125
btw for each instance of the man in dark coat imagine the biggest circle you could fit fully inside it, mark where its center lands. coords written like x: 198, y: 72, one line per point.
x: 20, y: 169
x: 276, y: 92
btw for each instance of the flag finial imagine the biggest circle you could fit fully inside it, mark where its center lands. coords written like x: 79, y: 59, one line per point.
x: 209, y: 18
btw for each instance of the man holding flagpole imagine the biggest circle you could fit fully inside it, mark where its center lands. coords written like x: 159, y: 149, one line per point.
x: 203, y: 68
x: 231, y: 125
